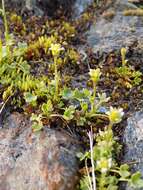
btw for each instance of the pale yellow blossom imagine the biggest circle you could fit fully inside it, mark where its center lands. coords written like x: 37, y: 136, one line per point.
x: 115, y: 115
x: 56, y: 49
x: 104, y: 164
x: 95, y: 75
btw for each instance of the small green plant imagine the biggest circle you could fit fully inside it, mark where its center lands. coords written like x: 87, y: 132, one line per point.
x: 130, y: 76
x: 104, y: 173
x: 79, y: 106
x: 37, y: 123
x: 5, y: 49
x: 30, y: 98
x: 123, y: 56
x: 56, y: 49
x: 95, y: 76
x: 3, y: 12
x: 47, y: 108
x: 13, y: 68
x: 88, y: 100
x: 69, y: 113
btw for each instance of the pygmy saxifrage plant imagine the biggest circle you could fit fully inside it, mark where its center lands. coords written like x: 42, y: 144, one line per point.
x: 104, y: 173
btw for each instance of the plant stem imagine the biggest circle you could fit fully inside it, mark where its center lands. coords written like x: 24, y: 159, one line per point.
x: 115, y: 171
x: 5, y: 26
x: 90, y: 134
x: 56, y: 78
x: 93, y: 98
x: 5, y: 20
x: 102, y: 181
x: 110, y: 126
x: 88, y: 175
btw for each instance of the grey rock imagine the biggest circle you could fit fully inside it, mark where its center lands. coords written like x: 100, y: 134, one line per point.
x: 133, y: 140
x: 108, y: 34
x: 80, y: 6
x: 49, y: 7
x: 36, y: 161
x: 40, y: 7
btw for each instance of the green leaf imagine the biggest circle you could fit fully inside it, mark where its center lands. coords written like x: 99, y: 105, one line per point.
x: 69, y: 113
x: 61, y: 104
x: 124, y: 171
x: 112, y: 180
x: 96, y: 152
x: 35, y: 117
x: 81, y: 121
x: 37, y: 126
x: 23, y: 65
x: 10, y: 40
x: 136, y: 180
x: 112, y: 187
x: 80, y: 155
x: 66, y: 93
x: 86, y: 92
x: 29, y: 97
x: 7, y: 93
x: 77, y: 94
x: 4, y: 51
x: 84, y: 183
x: 84, y: 156
x: 84, y: 106
x: 47, y: 108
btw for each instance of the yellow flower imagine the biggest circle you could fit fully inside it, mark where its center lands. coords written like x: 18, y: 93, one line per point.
x: 115, y: 115
x: 56, y: 49
x: 123, y: 54
x: 104, y: 164
x: 123, y: 51
x: 95, y: 74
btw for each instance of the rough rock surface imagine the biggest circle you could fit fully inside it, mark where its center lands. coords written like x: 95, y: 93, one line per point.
x: 36, y: 161
x: 112, y: 30
x: 49, y: 7
x: 133, y: 139
x: 80, y: 6
x: 40, y: 7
